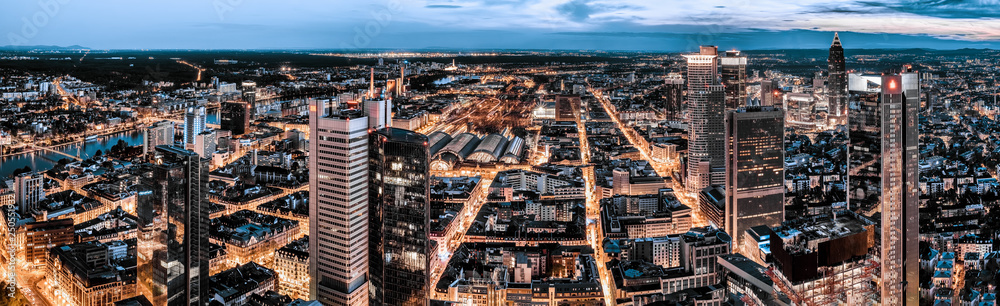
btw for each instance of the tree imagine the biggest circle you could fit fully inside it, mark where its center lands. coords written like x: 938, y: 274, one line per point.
x: 17, y: 172
x: 99, y: 153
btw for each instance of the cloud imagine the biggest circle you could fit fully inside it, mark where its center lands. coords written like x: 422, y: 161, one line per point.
x: 576, y: 10
x: 444, y: 6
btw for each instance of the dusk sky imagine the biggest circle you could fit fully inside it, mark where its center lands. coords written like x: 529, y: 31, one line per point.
x: 664, y: 25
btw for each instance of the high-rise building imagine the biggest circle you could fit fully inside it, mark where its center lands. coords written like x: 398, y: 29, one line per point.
x: 755, y: 175
x: 235, y: 117
x: 673, y: 97
x: 205, y: 143
x: 399, y: 247
x: 194, y: 123
x: 706, y: 105
x: 882, y: 173
x: 173, y: 248
x: 836, y: 90
x: 157, y: 134
x: 770, y: 93
x: 249, y: 92
x: 338, y: 189
x: 29, y: 188
x: 734, y: 75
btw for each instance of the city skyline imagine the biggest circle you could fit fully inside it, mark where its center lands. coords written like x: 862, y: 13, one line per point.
x: 707, y: 175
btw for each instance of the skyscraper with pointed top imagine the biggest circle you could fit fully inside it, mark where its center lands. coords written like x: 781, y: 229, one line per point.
x: 837, y: 86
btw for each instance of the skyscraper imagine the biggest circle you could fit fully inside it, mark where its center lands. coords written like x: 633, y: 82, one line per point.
x: 882, y: 173
x: 173, y: 249
x: 706, y: 103
x: 157, y: 134
x: 29, y: 188
x: 235, y: 117
x: 194, y: 124
x: 770, y: 94
x: 249, y: 92
x: 673, y: 97
x: 338, y: 211
x: 399, y: 247
x: 205, y: 143
x: 755, y: 176
x: 734, y: 75
x: 837, y: 82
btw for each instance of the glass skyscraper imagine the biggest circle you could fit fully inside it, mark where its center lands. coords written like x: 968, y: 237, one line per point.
x: 755, y: 175
x: 399, y: 245
x: 836, y: 90
x: 173, y: 247
x: 882, y: 174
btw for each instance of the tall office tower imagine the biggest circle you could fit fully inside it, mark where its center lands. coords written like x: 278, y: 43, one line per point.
x: 882, y: 173
x: 706, y: 105
x: 173, y: 249
x: 734, y: 75
x: 206, y: 143
x: 673, y: 97
x: 29, y: 188
x: 755, y: 176
x: 194, y: 123
x: 157, y: 134
x: 837, y: 83
x: 770, y: 93
x: 398, y: 245
x: 338, y: 211
x: 235, y: 117
x: 249, y: 92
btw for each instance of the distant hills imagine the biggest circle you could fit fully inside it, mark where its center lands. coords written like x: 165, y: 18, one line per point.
x: 42, y: 47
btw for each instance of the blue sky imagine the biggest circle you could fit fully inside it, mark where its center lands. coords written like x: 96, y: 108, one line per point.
x: 655, y: 25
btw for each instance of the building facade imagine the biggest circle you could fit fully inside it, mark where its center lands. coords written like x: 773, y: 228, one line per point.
x: 157, y: 134
x: 706, y: 104
x: 338, y: 201
x: 399, y: 244
x: 755, y: 176
x: 733, y: 68
x: 235, y: 117
x: 837, y: 83
x: 173, y: 208
x: 883, y: 173
x: 194, y: 123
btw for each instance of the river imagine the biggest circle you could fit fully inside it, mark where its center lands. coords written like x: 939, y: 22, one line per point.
x: 44, y: 160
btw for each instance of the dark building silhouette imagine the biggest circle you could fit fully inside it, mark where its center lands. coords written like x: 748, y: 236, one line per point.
x: 567, y: 108
x: 173, y: 245
x: 399, y: 247
x: 236, y: 117
x: 733, y: 68
x: 755, y: 176
x: 837, y: 83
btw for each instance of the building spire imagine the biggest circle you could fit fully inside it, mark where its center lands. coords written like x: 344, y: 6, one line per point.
x: 836, y: 39
x: 371, y: 85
